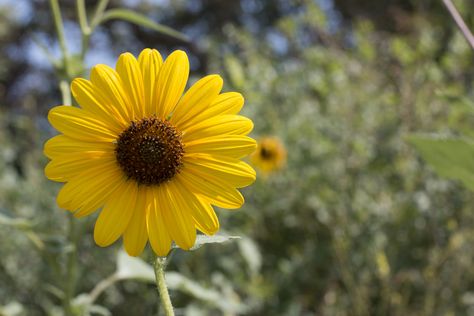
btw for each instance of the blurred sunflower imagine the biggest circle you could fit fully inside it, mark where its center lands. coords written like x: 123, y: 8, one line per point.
x: 153, y: 158
x: 270, y: 155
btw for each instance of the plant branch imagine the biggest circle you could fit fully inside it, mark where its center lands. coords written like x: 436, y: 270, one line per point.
x: 460, y: 22
x: 160, y: 264
x: 58, y: 23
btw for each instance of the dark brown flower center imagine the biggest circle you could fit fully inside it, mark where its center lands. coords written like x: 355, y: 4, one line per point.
x: 266, y: 153
x: 150, y: 151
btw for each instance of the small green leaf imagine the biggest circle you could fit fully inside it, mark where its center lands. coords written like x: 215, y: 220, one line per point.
x: 177, y: 281
x: 133, y: 268
x: 203, y: 239
x: 235, y: 71
x: 12, y: 309
x: 452, y: 158
x: 19, y: 223
x: 142, y: 20
x: 249, y: 250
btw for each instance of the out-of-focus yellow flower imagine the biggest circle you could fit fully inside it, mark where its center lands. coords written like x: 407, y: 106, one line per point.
x: 383, y: 266
x: 153, y: 159
x: 270, y: 155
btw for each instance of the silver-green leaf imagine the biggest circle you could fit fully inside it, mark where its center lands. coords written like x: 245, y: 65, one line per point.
x: 452, y: 158
x: 142, y: 20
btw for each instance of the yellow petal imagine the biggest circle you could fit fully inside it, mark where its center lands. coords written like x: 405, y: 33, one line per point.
x: 62, y: 144
x: 170, y: 84
x: 235, y: 146
x: 116, y: 215
x: 150, y: 63
x: 91, y: 99
x: 202, y: 212
x: 136, y: 235
x: 224, y: 104
x: 68, y: 166
x: 218, y: 126
x: 108, y: 82
x: 160, y: 239
x: 132, y: 79
x: 78, y: 124
x: 196, y: 100
x: 177, y: 217
x: 89, y: 190
x: 231, y: 170
x: 213, y: 189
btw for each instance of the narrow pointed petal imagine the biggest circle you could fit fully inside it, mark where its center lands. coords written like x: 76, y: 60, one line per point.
x: 160, y: 239
x: 176, y: 216
x: 70, y: 165
x: 202, y: 212
x: 170, y: 84
x: 136, y: 234
x: 234, y: 146
x: 111, y: 88
x: 228, y: 103
x: 233, y: 171
x: 78, y: 124
x: 216, y: 191
x: 150, y: 62
x: 218, y: 126
x: 62, y: 144
x: 129, y: 71
x: 116, y: 215
x: 91, y: 99
x: 196, y: 100
x: 89, y: 190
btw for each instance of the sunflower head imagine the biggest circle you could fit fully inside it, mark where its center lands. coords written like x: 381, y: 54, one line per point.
x: 154, y: 159
x: 270, y: 155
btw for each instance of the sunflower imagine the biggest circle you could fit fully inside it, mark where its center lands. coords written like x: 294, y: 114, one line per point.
x: 270, y: 155
x: 154, y: 160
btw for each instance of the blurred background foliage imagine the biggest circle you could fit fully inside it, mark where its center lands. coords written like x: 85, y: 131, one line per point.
x: 356, y: 224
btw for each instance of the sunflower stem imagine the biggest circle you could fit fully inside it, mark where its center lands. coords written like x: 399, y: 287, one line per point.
x: 58, y: 23
x: 160, y: 264
x: 71, y: 268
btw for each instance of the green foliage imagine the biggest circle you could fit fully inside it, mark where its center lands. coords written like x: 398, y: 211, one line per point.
x: 451, y: 158
x: 356, y: 224
x: 142, y: 20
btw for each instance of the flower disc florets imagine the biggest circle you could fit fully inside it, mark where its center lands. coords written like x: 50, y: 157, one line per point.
x: 150, y: 151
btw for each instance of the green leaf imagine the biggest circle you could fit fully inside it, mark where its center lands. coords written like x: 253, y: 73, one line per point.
x: 177, y: 281
x: 133, y: 268
x: 203, y: 239
x: 249, y: 250
x: 12, y: 309
x: 235, y: 70
x: 19, y: 223
x: 223, y: 301
x: 452, y: 158
x: 142, y: 20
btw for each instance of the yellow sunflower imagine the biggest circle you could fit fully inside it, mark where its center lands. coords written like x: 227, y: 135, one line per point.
x: 270, y: 155
x: 153, y: 159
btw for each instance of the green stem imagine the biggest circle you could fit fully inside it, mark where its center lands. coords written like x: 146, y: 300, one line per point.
x: 102, y: 286
x: 85, y: 29
x: 58, y: 23
x: 160, y: 264
x: 99, y: 12
x: 71, y: 268
x: 65, y: 92
x: 81, y: 14
x: 460, y: 22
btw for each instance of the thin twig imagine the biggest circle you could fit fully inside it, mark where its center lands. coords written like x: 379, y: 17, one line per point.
x: 460, y: 22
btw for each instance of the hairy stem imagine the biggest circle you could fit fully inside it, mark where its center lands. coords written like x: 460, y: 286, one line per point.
x: 160, y: 264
